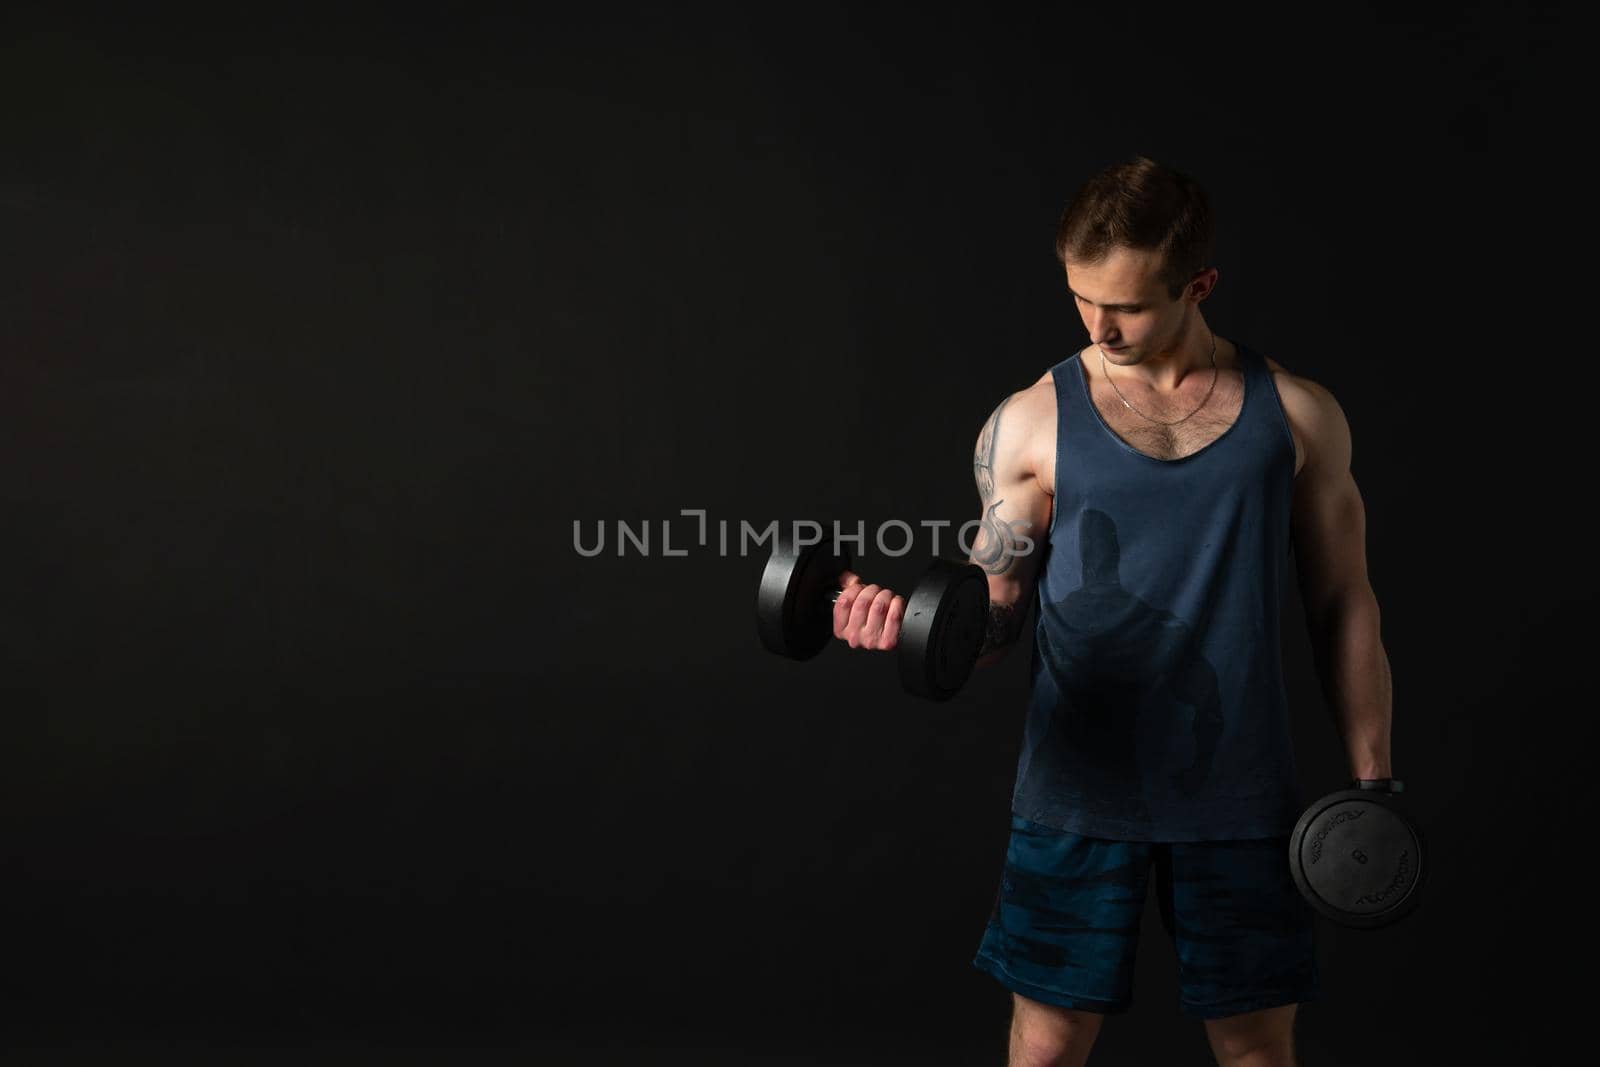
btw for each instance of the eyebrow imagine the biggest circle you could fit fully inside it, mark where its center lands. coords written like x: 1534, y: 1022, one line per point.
x: 1086, y: 300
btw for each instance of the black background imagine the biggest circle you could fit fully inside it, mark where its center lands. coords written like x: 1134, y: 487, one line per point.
x: 318, y: 336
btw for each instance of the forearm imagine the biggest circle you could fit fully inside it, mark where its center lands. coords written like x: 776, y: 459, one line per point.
x: 1354, y: 671
x: 1003, y: 631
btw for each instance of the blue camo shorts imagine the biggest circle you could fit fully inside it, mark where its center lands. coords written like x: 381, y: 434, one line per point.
x: 1065, y: 923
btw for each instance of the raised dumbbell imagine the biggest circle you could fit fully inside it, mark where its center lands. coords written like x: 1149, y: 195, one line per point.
x: 940, y: 636
x: 1356, y: 857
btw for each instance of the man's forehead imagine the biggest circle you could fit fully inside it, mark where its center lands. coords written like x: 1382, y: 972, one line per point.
x: 1125, y: 276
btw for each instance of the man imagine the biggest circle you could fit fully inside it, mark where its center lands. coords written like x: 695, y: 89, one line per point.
x: 1163, y: 474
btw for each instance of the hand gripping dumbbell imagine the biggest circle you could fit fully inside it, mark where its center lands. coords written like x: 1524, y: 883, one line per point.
x: 1356, y: 857
x: 940, y: 636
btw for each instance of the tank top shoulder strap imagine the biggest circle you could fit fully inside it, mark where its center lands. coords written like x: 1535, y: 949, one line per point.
x: 1072, y: 398
x: 1263, y: 404
x: 1253, y: 365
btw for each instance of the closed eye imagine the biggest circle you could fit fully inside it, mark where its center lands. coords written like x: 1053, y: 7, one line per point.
x: 1126, y: 309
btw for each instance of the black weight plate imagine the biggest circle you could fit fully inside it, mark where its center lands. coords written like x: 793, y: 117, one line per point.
x: 1357, y: 859
x: 946, y: 616
x: 794, y: 607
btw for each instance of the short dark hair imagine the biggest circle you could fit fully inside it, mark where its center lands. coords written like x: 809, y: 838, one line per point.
x: 1144, y: 205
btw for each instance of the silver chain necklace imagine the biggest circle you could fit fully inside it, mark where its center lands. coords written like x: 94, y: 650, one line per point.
x: 1147, y: 418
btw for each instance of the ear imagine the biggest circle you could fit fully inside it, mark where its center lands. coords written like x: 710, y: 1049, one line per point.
x: 1201, y: 285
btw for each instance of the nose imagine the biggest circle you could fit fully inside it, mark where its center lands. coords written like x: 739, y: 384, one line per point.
x: 1102, y: 328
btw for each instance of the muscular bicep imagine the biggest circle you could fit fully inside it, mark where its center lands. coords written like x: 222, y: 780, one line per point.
x: 1013, y: 519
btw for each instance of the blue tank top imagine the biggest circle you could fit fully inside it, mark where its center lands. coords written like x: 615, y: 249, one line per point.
x: 1158, y: 709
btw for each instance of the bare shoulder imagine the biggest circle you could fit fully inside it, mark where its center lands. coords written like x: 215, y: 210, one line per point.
x: 1020, y: 433
x: 1316, y: 421
x: 1037, y: 404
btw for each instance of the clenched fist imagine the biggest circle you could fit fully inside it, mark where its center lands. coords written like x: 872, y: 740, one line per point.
x: 867, y: 616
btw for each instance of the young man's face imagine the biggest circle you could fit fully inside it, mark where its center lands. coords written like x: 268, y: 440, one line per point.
x: 1125, y: 305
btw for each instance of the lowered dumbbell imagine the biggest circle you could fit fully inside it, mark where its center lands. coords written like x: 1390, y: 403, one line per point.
x: 940, y: 636
x: 1356, y: 857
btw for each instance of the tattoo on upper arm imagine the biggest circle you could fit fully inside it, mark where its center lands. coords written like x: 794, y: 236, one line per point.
x: 983, y: 455
x: 999, y: 541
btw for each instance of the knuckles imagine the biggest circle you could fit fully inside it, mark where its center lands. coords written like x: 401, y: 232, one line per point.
x: 863, y: 614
